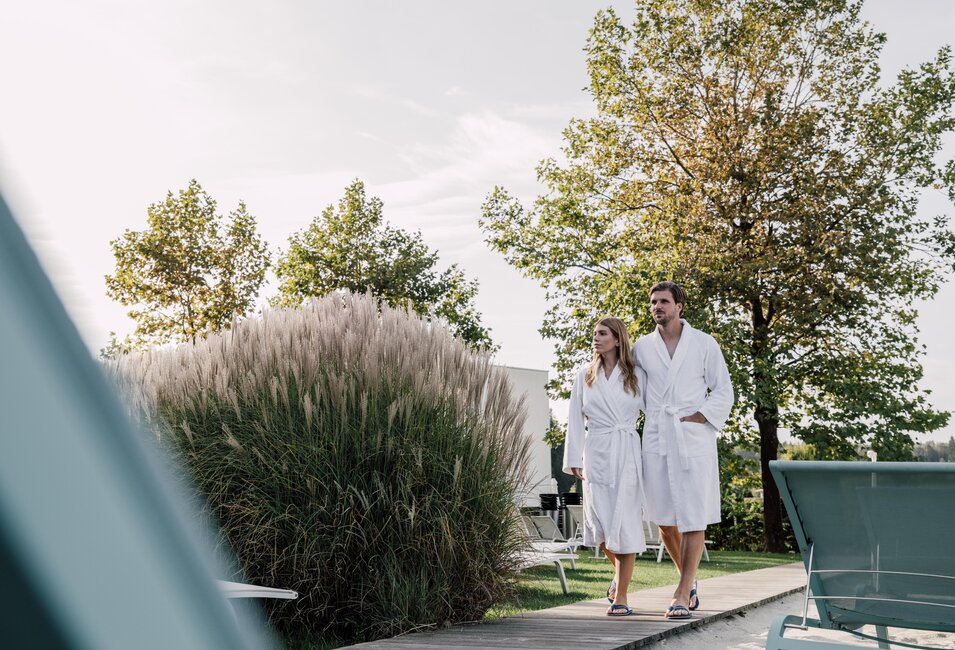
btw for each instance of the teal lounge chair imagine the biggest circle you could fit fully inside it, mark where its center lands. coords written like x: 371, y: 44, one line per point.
x: 97, y: 547
x: 878, y: 542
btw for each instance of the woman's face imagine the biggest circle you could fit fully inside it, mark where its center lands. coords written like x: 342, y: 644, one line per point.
x: 604, y: 339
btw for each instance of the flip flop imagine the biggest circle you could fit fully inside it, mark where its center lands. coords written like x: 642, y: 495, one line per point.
x: 678, y: 617
x: 620, y: 610
x: 693, y: 595
x: 613, y: 588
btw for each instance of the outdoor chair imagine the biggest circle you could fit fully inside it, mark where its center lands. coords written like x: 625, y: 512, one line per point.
x: 545, y: 537
x: 233, y: 590
x: 538, y: 558
x: 576, y: 514
x: 577, y: 517
x: 877, y: 543
x: 549, y: 532
x: 543, y: 552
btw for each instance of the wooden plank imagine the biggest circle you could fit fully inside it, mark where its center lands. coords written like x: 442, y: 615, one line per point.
x: 586, y: 624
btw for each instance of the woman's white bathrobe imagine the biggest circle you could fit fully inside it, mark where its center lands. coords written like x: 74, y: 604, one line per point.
x: 679, y: 458
x: 602, y: 439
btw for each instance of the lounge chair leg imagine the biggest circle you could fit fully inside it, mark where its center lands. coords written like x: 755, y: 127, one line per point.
x: 706, y: 554
x: 776, y: 636
x: 883, y: 634
x: 660, y: 553
x: 562, y: 576
x: 776, y: 639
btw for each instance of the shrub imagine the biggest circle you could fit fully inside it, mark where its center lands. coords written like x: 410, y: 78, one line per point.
x: 741, y: 509
x: 350, y: 451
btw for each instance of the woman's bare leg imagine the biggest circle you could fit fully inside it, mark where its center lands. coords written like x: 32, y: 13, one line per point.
x: 624, y: 574
x: 614, y: 561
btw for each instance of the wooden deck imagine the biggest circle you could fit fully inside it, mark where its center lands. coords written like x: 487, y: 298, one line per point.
x: 586, y: 624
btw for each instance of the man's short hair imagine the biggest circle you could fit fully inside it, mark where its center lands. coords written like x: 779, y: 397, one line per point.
x: 679, y: 296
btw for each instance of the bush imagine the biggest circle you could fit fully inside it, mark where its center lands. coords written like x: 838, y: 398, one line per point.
x: 741, y: 507
x: 350, y: 451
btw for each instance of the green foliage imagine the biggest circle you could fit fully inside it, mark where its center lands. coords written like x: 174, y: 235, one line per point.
x: 190, y: 272
x: 556, y: 433
x: 799, y: 452
x: 350, y: 451
x: 117, y: 347
x: 936, y: 452
x: 352, y: 248
x: 741, y: 507
x: 747, y: 150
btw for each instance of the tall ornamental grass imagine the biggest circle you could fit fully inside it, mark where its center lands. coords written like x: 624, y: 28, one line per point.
x: 355, y: 453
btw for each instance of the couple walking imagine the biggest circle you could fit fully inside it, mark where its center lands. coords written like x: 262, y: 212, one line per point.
x: 677, y: 376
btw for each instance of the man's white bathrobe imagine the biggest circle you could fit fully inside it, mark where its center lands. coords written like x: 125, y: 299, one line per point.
x: 680, y: 467
x: 602, y: 439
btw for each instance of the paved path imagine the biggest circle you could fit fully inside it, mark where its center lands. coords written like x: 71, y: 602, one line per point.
x: 586, y: 625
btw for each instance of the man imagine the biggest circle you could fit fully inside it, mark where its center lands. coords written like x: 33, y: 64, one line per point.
x: 688, y: 397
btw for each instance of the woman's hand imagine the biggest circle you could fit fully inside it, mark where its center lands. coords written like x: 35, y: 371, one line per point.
x: 578, y: 473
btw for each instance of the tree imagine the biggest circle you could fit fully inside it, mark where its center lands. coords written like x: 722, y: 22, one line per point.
x: 747, y: 150
x: 190, y: 272
x: 351, y: 248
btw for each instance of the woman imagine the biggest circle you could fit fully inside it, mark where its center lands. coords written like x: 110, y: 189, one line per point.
x: 607, y: 397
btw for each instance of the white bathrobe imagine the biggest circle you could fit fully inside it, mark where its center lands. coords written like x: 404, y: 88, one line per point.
x: 680, y: 467
x: 609, y: 453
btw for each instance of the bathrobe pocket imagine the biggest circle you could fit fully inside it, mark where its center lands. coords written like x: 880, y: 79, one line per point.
x: 700, y: 439
x: 599, y: 462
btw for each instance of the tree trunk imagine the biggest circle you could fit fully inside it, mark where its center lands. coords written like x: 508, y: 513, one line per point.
x: 773, y: 536
x: 767, y: 418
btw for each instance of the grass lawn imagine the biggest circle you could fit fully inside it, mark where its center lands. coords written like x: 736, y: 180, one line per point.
x: 539, y: 588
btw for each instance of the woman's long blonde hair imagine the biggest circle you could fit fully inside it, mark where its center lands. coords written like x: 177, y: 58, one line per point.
x: 624, y: 356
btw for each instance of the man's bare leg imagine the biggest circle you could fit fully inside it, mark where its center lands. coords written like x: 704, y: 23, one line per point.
x: 673, y: 542
x: 691, y: 550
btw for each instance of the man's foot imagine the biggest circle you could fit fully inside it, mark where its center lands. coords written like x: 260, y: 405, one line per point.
x: 694, y: 599
x: 678, y: 612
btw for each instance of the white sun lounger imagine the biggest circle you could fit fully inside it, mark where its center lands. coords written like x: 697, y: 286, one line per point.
x: 533, y: 558
x: 240, y: 590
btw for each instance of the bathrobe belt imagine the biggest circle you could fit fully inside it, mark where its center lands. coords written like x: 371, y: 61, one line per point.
x: 671, y: 431
x: 620, y: 457
x: 620, y: 431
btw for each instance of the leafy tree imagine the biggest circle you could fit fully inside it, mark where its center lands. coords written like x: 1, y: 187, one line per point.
x: 190, y: 272
x: 747, y: 149
x: 116, y: 348
x: 351, y: 248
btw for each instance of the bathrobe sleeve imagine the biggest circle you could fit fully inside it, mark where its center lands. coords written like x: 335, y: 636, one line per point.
x: 719, y: 400
x: 574, y: 444
x: 642, y: 385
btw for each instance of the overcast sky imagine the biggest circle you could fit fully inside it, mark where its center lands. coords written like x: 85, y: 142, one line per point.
x: 107, y: 105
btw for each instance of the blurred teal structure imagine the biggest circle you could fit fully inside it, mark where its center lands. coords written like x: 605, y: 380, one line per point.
x: 878, y: 542
x: 95, y: 550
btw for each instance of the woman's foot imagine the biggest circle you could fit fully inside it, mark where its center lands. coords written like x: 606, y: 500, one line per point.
x: 678, y: 612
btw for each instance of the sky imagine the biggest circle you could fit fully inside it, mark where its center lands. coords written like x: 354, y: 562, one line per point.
x: 107, y: 105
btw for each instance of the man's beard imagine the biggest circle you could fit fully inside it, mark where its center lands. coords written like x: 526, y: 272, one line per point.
x: 662, y: 319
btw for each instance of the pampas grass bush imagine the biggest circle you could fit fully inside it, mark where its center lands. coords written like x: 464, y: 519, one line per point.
x: 350, y: 451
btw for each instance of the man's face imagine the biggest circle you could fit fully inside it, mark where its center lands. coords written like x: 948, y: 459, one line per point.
x: 663, y: 308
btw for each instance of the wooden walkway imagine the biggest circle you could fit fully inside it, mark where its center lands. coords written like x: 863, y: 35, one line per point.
x: 586, y: 625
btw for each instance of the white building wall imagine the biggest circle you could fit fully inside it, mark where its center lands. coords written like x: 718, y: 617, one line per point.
x: 531, y: 384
